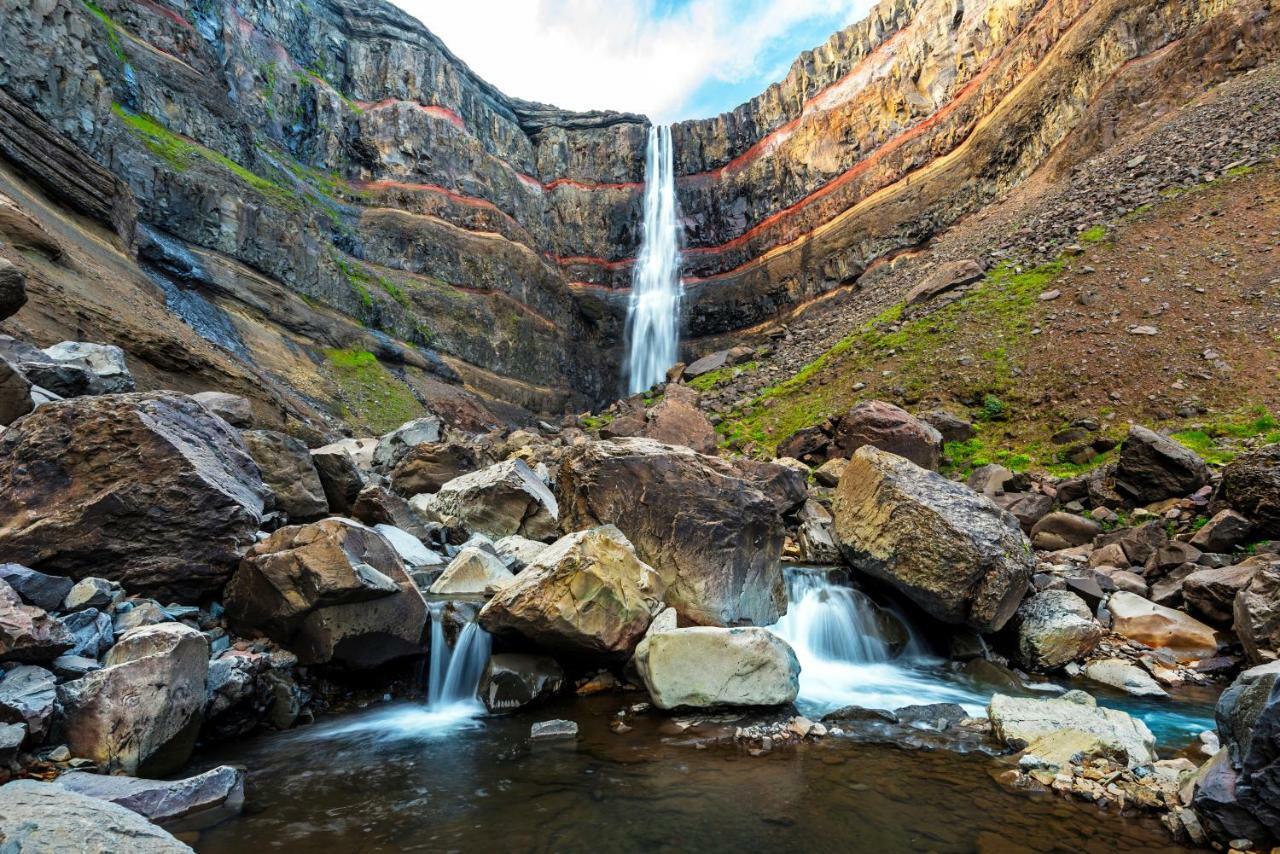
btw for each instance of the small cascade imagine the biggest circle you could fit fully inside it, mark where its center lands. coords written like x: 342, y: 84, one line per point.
x: 852, y: 652
x: 454, y: 677
x: 653, y: 313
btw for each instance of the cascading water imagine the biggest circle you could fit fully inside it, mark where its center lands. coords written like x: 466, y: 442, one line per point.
x: 849, y: 655
x: 653, y: 314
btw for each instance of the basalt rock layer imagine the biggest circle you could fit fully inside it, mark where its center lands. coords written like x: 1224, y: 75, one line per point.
x: 325, y: 177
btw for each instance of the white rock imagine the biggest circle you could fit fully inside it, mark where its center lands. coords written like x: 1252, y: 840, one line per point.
x: 410, y: 548
x: 471, y: 572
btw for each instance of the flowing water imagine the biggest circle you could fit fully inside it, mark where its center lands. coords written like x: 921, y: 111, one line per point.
x: 442, y: 776
x: 653, y: 313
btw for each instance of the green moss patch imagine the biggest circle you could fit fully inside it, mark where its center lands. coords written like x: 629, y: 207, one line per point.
x: 371, y: 396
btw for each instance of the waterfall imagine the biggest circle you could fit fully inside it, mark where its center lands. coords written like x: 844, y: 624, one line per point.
x: 852, y: 652
x: 454, y: 677
x: 653, y: 313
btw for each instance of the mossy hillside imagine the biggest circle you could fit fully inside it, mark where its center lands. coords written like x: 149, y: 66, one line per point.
x: 369, y: 395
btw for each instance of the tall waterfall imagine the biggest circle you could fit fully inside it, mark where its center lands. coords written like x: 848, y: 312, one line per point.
x: 848, y: 656
x: 653, y: 314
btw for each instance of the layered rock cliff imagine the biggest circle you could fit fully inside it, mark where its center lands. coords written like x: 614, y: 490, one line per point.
x: 327, y: 170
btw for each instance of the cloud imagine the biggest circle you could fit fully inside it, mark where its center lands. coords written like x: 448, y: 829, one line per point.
x: 644, y: 56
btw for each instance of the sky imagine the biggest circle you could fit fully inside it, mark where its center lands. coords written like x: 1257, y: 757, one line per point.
x: 667, y: 59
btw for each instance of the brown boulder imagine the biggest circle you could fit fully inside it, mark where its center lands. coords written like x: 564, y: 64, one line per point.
x: 1256, y: 613
x: 951, y: 551
x: 340, y: 477
x: 808, y: 444
x: 1210, y: 594
x: 1226, y: 530
x: 28, y: 633
x: 585, y: 593
x: 503, y: 499
x: 15, y: 394
x: 677, y: 420
x: 333, y: 591
x: 945, y: 277
x: 150, y: 490
x: 429, y: 466
x: 704, y: 523
x: 13, y: 289
x: 1251, y: 485
x: 1153, y: 467
x: 889, y: 428
x: 289, y: 473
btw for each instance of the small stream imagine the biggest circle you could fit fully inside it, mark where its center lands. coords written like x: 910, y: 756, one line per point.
x: 441, y: 775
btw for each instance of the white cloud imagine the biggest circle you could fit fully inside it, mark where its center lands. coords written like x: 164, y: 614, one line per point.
x: 634, y: 55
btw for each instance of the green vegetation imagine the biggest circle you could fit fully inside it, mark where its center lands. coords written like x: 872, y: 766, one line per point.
x: 370, y: 394
x: 1256, y: 423
x: 114, y: 30
x: 182, y: 154
x: 711, y: 379
x: 360, y: 279
x: 595, y: 422
x: 1096, y: 234
x: 312, y: 77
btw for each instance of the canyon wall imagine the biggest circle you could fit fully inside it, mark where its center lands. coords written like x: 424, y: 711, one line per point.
x: 331, y: 168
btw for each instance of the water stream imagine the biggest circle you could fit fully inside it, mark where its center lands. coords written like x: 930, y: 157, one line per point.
x: 653, y: 313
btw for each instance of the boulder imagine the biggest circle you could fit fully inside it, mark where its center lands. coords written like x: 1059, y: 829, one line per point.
x: 503, y: 499
x: 430, y: 465
x: 377, y: 505
x: 553, y: 730
x: 412, y: 550
x: 1256, y: 612
x: 944, y: 277
x: 677, y: 420
x: 1223, y: 533
x: 393, y: 446
x: 92, y: 632
x: 1055, y: 627
x: 586, y: 593
x: 1153, y: 467
x: 92, y: 592
x: 518, y: 552
x: 340, y: 478
x: 1138, y: 543
x: 333, y: 592
x: 231, y: 408
x: 28, y: 695
x: 808, y: 444
x: 1027, y: 507
x: 513, y: 681
x: 15, y: 394
x: 889, y: 428
x: 219, y: 790
x: 1158, y: 627
x: 1063, y: 531
x: 105, y: 364
x: 1238, y: 792
x: 146, y: 612
x: 1119, y: 673
x: 140, y: 714
x: 289, y: 474
x: 42, y: 818
x: 1218, y: 803
x: 989, y: 479
x: 170, y: 516
x: 1210, y: 594
x: 36, y: 588
x: 952, y: 428
x: 1019, y: 722
x: 13, y: 289
x: 1251, y: 486
x: 28, y: 633
x: 12, y: 737
x: 951, y: 551
x: 471, y: 572
x: 705, y: 666
x: 711, y: 362
x: 828, y: 474
x: 704, y: 523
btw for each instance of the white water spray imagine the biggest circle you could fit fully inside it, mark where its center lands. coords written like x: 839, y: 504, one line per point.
x: 653, y: 313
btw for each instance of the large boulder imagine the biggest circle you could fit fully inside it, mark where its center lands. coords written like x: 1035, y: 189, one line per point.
x: 889, y: 428
x: 140, y: 714
x: 586, y: 593
x: 1256, y: 611
x: 707, y: 525
x: 430, y: 465
x: 1210, y: 594
x: 219, y: 790
x: 150, y: 490
x: 1239, y: 794
x: 105, y: 364
x: 289, y: 473
x: 333, y: 592
x: 472, y: 571
x: 1221, y: 534
x: 1057, y: 531
x: 1055, y: 627
x: 15, y: 394
x: 41, y: 818
x: 705, y: 666
x: 1251, y: 485
x: 13, y: 289
x: 36, y: 588
x: 28, y: 633
x: 393, y: 446
x: 1158, y: 627
x: 28, y: 695
x: 1129, y: 678
x: 503, y: 499
x: 232, y: 408
x: 513, y: 680
x: 951, y: 551
x: 1153, y: 467
x: 340, y: 477
x: 1019, y: 721
x: 677, y: 420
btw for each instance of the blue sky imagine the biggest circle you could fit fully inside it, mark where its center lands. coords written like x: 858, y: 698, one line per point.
x: 668, y: 59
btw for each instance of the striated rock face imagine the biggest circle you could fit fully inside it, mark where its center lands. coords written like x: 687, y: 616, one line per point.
x: 337, y: 151
x: 169, y: 516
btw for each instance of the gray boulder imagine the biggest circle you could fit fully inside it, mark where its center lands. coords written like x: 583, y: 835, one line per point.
x: 503, y: 499
x: 27, y: 696
x: 1153, y: 467
x: 219, y: 791
x: 1055, y: 627
x: 395, y: 445
x: 951, y: 551
x: 232, y: 408
x: 13, y: 289
x: 340, y: 477
x: 1256, y: 612
x: 513, y: 681
x: 1021, y: 721
x: 141, y: 713
x: 1239, y: 793
x: 36, y: 588
x: 703, y: 667
x: 1221, y: 534
x: 92, y: 632
x: 105, y: 364
x: 42, y: 818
